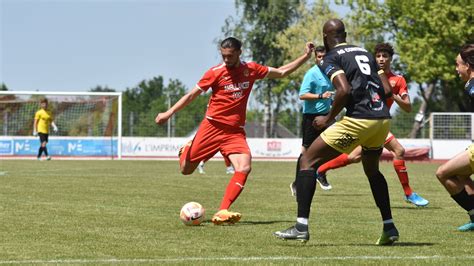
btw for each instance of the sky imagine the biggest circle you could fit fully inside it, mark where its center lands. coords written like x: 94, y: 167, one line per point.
x: 76, y: 45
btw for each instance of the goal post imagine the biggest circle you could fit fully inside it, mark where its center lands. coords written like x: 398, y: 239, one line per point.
x: 87, y: 122
x: 450, y: 133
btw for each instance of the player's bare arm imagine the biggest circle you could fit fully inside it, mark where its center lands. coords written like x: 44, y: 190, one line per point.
x: 343, y: 89
x: 180, y: 104
x: 386, y: 85
x: 35, y: 127
x: 403, y: 101
x: 283, y: 71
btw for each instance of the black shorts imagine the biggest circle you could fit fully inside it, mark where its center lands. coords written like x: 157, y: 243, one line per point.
x: 309, y: 132
x: 43, y: 137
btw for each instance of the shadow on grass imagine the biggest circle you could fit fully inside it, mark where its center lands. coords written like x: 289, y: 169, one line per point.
x: 329, y: 194
x: 245, y: 223
x: 416, y: 208
x: 296, y: 244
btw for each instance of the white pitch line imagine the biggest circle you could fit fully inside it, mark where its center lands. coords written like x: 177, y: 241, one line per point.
x: 190, y: 259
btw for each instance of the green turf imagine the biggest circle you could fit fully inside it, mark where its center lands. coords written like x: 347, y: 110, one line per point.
x: 100, y: 212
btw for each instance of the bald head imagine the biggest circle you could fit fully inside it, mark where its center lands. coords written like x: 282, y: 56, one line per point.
x: 334, y: 32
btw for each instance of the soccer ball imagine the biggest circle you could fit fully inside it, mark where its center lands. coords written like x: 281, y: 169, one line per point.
x: 192, y: 213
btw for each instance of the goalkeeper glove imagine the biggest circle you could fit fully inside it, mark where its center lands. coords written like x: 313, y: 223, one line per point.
x: 55, y: 128
x: 35, y: 133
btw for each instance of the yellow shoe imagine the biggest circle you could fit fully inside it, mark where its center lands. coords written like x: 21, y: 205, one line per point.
x: 225, y: 216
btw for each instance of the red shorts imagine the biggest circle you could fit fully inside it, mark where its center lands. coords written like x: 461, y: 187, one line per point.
x: 213, y: 137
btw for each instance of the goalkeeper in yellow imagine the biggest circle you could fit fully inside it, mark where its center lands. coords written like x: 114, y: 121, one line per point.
x: 43, y: 119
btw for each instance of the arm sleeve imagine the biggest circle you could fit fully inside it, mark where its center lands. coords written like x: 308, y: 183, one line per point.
x: 403, y: 86
x: 330, y: 67
x: 260, y: 71
x: 307, y: 84
x: 207, y: 80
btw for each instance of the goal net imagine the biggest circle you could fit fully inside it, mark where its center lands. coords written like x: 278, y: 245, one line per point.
x: 450, y: 133
x: 89, y: 124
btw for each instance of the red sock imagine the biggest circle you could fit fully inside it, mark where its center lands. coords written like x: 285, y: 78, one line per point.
x: 340, y: 161
x: 399, y: 166
x: 232, y: 192
x: 227, y: 161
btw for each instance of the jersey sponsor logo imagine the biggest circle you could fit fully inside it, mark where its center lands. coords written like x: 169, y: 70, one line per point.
x: 350, y: 49
x: 237, y: 86
x: 376, y: 103
x: 345, y: 141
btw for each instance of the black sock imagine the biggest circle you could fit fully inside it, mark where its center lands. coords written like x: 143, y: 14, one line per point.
x: 388, y: 226
x: 45, y: 151
x: 301, y: 227
x: 298, y: 165
x: 305, y: 186
x: 465, y: 201
x: 379, y: 188
x: 40, y: 151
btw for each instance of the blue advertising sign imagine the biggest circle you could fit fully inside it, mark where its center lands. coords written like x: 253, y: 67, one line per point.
x: 61, y: 147
x: 6, y: 147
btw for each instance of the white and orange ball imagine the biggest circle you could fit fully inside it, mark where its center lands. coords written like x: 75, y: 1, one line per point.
x: 192, y: 213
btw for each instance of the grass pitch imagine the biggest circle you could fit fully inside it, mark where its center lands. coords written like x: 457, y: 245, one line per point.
x: 127, y: 212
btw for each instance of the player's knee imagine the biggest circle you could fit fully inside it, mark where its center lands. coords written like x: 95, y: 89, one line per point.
x: 355, y: 158
x: 244, y: 169
x: 441, y: 173
x: 185, y: 169
x: 399, y: 153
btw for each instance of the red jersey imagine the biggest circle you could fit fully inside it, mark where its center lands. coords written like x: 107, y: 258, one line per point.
x: 398, y: 84
x: 231, y: 89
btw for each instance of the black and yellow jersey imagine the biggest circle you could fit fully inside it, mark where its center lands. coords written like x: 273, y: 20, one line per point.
x: 367, y: 97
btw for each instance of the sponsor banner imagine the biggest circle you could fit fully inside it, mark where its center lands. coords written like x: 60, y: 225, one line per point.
x: 58, y: 146
x: 6, y: 146
x: 152, y: 147
x: 169, y: 147
x: 275, y: 148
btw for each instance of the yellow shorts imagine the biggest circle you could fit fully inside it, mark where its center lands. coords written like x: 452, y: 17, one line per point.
x: 470, y: 150
x: 348, y: 133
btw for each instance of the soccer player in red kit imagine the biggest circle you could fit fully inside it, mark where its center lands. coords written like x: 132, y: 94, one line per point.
x: 383, y: 55
x: 222, y: 129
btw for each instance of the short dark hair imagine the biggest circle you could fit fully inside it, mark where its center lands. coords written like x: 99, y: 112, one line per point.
x: 320, y: 49
x: 44, y: 100
x: 467, y: 54
x: 231, y: 42
x: 384, y: 47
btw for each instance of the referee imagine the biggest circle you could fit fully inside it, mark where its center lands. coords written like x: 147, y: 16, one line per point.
x: 315, y: 91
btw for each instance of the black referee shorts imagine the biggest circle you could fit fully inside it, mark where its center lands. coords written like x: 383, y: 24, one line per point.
x: 43, y: 137
x: 309, y: 132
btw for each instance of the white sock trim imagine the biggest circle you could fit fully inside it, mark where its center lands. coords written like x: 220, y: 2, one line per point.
x: 390, y: 221
x: 302, y: 220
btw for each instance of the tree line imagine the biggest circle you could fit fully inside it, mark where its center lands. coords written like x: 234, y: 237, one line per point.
x: 426, y: 36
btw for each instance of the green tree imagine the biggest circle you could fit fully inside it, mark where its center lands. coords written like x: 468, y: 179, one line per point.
x: 102, y: 89
x: 427, y: 37
x: 307, y: 27
x: 3, y: 87
x: 258, y: 27
x: 142, y: 103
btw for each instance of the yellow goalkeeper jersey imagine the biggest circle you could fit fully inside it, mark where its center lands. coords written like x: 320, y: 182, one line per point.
x: 44, y: 119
